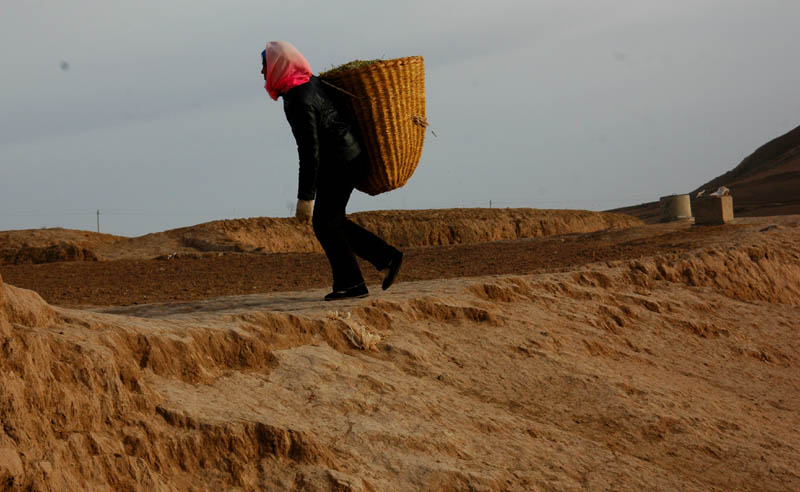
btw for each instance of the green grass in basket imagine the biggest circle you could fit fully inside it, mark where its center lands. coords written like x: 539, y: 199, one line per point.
x: 353, y: 65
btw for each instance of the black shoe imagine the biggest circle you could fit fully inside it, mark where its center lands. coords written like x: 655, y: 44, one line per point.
x: 359, y: 290
x: 394, y: 267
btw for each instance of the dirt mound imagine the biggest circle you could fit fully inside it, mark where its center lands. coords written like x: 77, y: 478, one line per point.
x: 50, y: 245
x: 765, y: 183
x: 42, y: 238
x: 415, y: 228
x: 22, y: 307
x: 757, y: 273
x: 46, y: 254
x: 671, y: 372
x: 406, y: 228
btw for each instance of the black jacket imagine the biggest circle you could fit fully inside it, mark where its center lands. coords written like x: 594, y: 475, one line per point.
x: 325, y: 136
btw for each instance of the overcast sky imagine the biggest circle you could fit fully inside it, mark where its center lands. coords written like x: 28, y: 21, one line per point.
x: 155, y: 112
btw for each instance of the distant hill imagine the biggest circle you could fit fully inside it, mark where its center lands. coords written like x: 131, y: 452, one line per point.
x: 767, y: 182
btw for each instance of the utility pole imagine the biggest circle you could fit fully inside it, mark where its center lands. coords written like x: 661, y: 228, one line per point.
x: 98, y: 220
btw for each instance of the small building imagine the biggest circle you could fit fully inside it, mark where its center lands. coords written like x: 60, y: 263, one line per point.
x: 676, y: 207
x: 713, y: 210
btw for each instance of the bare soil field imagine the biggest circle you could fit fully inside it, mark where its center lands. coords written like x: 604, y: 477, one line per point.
x: 660, y: 357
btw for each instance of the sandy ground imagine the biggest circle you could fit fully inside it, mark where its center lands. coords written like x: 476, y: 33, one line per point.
x: 654, y: 358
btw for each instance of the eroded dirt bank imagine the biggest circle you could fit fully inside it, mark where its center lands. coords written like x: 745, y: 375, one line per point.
x: 675, y: 371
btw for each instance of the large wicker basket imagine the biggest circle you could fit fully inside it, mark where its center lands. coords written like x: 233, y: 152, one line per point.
x: 387, y: 100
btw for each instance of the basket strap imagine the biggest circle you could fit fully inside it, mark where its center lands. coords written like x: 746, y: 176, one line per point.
x: 340, y: 89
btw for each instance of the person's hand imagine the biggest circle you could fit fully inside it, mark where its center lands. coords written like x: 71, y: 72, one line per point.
x: 305, y: 209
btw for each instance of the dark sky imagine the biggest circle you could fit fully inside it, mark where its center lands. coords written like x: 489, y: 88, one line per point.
x: 160, y: 120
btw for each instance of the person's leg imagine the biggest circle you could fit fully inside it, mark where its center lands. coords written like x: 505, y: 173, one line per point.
x: 329, y: 226
x: 369, y: 246
x: 364, y: 243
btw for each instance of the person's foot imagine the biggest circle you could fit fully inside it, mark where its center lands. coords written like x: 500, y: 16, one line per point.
x: 359, y: 290
x: 391, y: 270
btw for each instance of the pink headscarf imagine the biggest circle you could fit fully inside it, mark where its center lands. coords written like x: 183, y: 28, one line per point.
x: 286, y: 68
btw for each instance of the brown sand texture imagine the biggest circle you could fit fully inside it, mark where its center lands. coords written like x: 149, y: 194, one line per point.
x: 669, y: 371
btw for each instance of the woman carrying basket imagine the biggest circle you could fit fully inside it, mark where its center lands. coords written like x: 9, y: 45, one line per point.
x: 331, y: 163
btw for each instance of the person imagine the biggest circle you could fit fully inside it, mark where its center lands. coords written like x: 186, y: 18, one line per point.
x: 331, y: 163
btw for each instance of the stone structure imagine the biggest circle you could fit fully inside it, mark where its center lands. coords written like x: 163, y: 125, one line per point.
x: 676, y: 207
x: 713, y: 210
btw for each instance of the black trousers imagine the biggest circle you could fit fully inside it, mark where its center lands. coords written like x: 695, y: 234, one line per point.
x: 341, y: 238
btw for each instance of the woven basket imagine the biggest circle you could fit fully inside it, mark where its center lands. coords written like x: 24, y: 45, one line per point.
x: 387, y: 100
